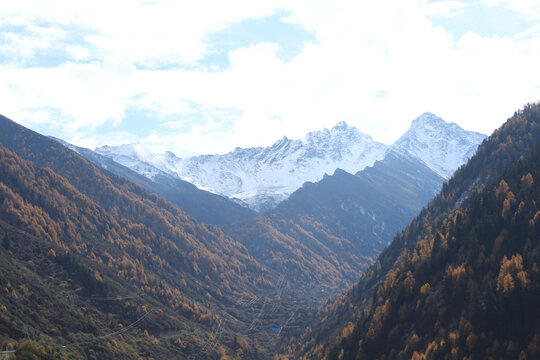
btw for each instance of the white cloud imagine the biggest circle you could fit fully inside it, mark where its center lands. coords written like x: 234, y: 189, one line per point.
x: 445, y: 8
x: 362, y: 51
x: 21, y: 48
x: 144, y: 32
x: 530, y: 9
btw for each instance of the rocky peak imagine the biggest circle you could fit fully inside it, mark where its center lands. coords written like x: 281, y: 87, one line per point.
x: 442, y: 146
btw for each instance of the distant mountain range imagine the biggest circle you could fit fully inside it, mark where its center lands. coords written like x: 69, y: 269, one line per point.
x: 203, y: 205
x: 261, y: 177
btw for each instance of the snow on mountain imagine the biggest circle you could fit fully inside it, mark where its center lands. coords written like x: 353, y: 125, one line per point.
x: 440, y: 145
x: 263, y: 176
x: 137, y: 158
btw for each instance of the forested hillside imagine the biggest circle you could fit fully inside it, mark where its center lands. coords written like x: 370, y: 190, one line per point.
x: 462, y: 279
x: 121, y: 260
x: 470, y: 289
x: 59, y: 246
x: 335, y: 228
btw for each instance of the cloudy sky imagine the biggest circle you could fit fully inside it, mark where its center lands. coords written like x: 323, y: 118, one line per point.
x: 206, y: 76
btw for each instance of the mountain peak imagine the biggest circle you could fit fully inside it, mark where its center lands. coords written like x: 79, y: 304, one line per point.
x: 284, y: 139
x: 130, y: 150
x: 428, y: 118
x: 169, y: 153
x: 342, y: 125
x: 440, y: 145
x: 136, y: 157
x: 340, y: 133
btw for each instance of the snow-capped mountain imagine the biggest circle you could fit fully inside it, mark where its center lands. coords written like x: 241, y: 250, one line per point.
x: 261, y: 177
x: 205, y: 206
x: 440, y: 145
x: 137, y: 158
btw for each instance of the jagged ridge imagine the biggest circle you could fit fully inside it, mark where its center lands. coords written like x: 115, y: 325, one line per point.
x: 264, y: 176
x: 261, y: 177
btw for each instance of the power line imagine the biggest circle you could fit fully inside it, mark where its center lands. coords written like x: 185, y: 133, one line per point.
x: 127, y: 328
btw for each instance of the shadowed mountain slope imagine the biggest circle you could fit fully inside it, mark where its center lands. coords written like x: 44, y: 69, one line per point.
x: 462, y: 278
x: 341, y: 223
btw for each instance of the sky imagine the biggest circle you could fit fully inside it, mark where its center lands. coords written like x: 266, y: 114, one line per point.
x: 207, y: 76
